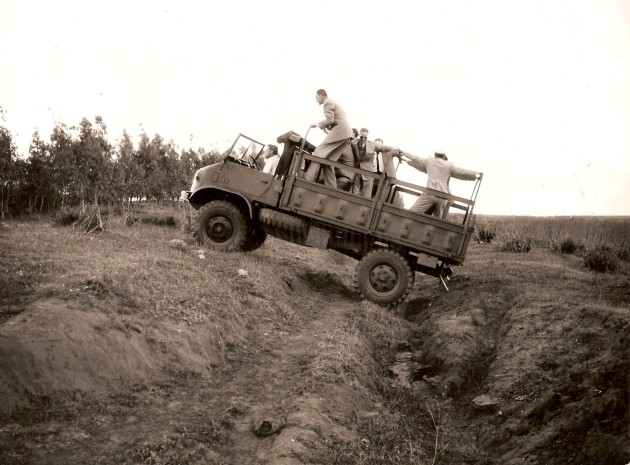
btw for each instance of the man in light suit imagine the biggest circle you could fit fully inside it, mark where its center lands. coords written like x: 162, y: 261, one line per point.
x: 338, y: 136
x: 364, y: 151
x: 345, y: 178
x: 439, y: 171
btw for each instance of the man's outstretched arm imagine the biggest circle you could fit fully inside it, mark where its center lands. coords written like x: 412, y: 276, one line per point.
x: 417, y: 162
x: 466, y: 175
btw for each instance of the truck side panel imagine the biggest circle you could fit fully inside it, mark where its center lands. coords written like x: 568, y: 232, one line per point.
x: 384, y: 221
x: 423, y: 232
x: 344, y: 208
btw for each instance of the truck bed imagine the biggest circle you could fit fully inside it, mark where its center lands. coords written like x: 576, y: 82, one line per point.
x: 378, y: 218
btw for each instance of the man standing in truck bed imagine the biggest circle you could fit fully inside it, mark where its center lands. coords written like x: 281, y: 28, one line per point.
x: 338, y: 136
x: 439, y: 171
x: 364, y: 151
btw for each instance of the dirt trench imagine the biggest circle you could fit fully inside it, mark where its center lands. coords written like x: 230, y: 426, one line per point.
x: 491, y: 373
x: 82, y: 387
x: 530, y: 378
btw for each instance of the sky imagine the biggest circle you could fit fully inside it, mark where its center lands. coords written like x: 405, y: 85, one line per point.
x: 536, y: 94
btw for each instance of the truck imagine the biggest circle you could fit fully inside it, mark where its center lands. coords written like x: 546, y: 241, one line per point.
x: 237, y: 205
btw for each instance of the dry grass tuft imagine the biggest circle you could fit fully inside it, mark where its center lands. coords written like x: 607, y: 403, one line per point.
x: 569, y: 246
x: 518, y: 245
x: 602, y: 259
x: 160, y: 220
x: 484, y: 234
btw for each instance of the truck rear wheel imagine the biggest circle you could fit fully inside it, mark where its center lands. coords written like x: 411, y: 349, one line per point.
x: 255, y: 239
x: 385, y: 277
x: 222, y: 226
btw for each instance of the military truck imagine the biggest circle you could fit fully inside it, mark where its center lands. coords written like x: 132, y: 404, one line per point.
x: 238, y: 205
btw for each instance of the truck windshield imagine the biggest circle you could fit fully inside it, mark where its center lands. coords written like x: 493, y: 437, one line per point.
x: 247, y: 149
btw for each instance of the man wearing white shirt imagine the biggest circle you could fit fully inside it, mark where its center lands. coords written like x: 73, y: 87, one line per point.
x: 364, y: 151
x: 271, y: 159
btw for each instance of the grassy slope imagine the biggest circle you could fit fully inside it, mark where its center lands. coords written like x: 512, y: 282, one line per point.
x: 189, y: 352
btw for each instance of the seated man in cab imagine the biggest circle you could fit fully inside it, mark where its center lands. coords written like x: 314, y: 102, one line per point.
x: 271, y: 159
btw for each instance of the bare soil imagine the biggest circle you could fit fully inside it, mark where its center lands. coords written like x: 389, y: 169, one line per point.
x: 122, y: 348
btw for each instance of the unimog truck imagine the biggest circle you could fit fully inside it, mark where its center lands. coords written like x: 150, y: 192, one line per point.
x: 238, y: 205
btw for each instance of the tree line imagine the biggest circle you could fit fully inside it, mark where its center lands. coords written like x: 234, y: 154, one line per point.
x: 77, y: 166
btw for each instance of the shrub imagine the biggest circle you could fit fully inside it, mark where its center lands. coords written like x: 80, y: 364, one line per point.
x: 160, y: 220
x: 568, y: 246
x: 484, y: 235
x: 187, y: 225
x: 516, y: 245
x: 601, y: 259
x: 187, y: 221
x: 129, y: 219
x: 65, y: 217
x: 115, y: 210
x: 624, y: 253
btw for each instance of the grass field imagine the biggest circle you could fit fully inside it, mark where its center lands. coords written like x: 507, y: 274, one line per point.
x: 589, y: 231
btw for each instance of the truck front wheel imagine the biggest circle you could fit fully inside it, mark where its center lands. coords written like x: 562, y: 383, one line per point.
x: 222, y: 226
x: 385, y: 277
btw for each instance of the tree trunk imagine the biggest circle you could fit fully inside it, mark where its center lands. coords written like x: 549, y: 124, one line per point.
x: 4, y: 203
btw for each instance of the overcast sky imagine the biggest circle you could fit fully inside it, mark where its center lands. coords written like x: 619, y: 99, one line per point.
x: 534, y: 93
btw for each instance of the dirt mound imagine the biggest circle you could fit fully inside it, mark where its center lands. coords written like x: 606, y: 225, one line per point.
x: 55, y: 346
x: 539, y: 381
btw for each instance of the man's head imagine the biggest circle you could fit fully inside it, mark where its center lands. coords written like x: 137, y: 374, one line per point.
x: 271, y: 150
x: 379, y: 143
x: 355, y: 133
x: 440, y: 155
x: 364, y: 133
x: 320, y: 96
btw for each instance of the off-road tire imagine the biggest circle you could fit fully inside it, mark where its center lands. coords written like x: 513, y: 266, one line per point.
x: 384, y: 277
x: 256, y: 238
x: 222, y: 226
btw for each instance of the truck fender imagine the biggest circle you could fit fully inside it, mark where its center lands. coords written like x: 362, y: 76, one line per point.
x: 202, y: 196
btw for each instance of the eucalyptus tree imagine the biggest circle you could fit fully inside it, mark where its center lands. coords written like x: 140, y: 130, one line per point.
x: 145, y: 165
x: 189, y: 162
x: 172, y: 170
x: 65, y: 167
x: 127, y: 174
x: 8, y: 155
x: 93, y: 155
x: 38, y: 177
